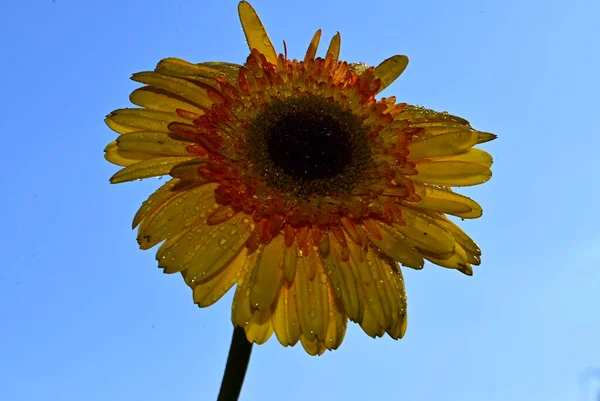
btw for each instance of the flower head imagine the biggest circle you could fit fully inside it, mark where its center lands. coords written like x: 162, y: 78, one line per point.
x: 293, y: 181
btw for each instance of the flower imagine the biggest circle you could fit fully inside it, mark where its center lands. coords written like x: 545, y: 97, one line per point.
x: 291, y: 180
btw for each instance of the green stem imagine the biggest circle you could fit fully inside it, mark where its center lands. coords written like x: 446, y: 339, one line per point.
x: 237, y: 363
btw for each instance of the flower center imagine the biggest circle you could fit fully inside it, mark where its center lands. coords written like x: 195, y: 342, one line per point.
x: 306, y: 144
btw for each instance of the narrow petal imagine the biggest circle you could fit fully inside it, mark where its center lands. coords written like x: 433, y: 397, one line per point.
x: 162, y: 100
x: 396, y: 295
x: 285, y: 319
x: 370, y: 325
x: 231, y: 70
x: 313, y: 46
x: 396, y: 246
x: 268, y: 274
x: 452, y: 173
x: 470, y: 247
x: 473, y: 155
x: 456, y: 260
x: 390, y: 69
x: 241, y: 311
x: 290, y: 254
x: 220, y: 244
x: 255, y: 32
x: 343, y: 281
x: 425, y: 118
x: 259, y: 329
x: 333, y: 50
x: 209, y: 291
x: 442, y: 145
x: 123, y: 158
x: 155, y: 167
x: 443, y: 200
x: 338, y: 321
x: 187, y: 249
x: 196, y: 94
x: 422, y: 233
x: 178, y: 67
x: 163, y: 194
x: 188, y: 171
x: 312, y: 345
x: 370, y: 281
x: 179, y: 212
x: 157, y: 143
x: 142, y: 119
x: 311, y: 297
x: 486, y: 137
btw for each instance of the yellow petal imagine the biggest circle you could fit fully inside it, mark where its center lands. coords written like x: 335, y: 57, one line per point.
x: 311, y: 297
x: 198, y: 95
x: 158, y: 143
x: 122, y: 158
x: 333, y: 50
x: 338, y: 321
x: 433, y: 128
x: 284, y: 318
x: 343, y: 282
x: 157, y: 166
x: 230, y: 70
x: 452, y: 173
x: 422, y: 232
x: 395, y: 293
x: 457, y: 260
x: 183, y: 250
x: 445, y: 201
x: 131, y: 120
x: 164, y: 193
x: 267, y: 279
x: 390, y: 69
x: 312, y: 346
x: 486, y: 137
x: 460, y: 236
x: 289, y: 262
x: 422, y: 117
x: 189, y: 170
x: 396, y: 246
x: 442, y: 145
x: 370, y: 325
x: 313, y: 46
x: 255, y: 32
x: 370, y: 281
x: 161, y: 100
x: 196, y: 73
x: 472, y: 155
x: 222, y: 242
x: 209, y: 291
x: 259, y: 328
x: 178, y: 67
x: 241, y: 311
x: 180, y: 212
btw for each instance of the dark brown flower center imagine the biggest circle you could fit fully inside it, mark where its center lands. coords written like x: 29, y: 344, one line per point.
x: 306, y: 144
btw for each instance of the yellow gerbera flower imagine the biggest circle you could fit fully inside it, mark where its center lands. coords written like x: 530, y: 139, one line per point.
x: 291, y: 180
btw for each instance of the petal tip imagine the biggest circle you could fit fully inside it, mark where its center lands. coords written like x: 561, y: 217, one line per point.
x: 484, y: 137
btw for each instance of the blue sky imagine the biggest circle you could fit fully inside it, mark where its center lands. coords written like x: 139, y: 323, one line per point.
x: 87, y: 316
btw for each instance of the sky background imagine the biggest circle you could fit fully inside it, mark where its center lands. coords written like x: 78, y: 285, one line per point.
x: 87, y: 316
